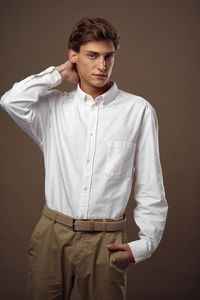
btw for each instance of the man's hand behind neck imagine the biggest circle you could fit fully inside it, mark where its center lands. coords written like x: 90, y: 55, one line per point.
x: 68, y: 72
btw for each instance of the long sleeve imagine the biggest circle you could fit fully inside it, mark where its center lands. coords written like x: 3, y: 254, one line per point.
x: 151, y: 205
x: 27, y: 102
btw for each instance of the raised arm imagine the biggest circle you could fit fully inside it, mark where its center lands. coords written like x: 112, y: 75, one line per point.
x: 29, y: 101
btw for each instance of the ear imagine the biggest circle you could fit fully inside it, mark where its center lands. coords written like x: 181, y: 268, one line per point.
x: 72, y: 55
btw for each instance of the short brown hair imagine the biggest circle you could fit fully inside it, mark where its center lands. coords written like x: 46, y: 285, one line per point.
x: 92, y: 29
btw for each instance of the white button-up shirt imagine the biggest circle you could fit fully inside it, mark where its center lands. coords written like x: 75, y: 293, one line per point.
x: 92, y: 148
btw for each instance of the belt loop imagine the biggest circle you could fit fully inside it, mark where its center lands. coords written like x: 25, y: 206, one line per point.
x: 104, y: 225
x: 91, y: 225
x: 54, y: 218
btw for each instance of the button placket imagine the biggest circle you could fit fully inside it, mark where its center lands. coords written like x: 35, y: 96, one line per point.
x: 88, y: 166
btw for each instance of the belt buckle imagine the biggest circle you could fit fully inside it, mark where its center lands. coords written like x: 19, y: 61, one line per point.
x: 74, y: 221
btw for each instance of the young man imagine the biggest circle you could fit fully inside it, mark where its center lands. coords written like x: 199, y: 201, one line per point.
x: 94, y: 139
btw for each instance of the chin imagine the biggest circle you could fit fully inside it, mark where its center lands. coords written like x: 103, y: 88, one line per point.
x: 101, y: 83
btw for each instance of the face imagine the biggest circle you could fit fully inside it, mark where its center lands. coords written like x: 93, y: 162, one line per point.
x: 94, y: 63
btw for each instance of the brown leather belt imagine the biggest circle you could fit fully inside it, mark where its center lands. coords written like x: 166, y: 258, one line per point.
x: 85, y: 224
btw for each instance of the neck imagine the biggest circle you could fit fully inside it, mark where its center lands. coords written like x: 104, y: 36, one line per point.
x: 96, y: 91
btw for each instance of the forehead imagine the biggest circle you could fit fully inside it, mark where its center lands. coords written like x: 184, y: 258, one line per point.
x: 104, y: 46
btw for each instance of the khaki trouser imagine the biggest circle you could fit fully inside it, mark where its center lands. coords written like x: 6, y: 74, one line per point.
x: 58, y: 255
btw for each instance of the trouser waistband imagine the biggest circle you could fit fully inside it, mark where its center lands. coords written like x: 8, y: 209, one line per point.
x: 85, y: 224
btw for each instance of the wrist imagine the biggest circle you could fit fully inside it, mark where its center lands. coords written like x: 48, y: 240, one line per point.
x: 60, y: 69
x: 67, y: 72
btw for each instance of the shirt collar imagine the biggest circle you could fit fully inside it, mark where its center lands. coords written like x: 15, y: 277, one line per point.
x: 103, y: 98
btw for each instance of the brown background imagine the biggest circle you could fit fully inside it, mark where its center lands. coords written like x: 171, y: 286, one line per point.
x: 159, y: 60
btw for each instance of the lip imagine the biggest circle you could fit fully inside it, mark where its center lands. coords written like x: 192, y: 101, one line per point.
x: 100, y: 75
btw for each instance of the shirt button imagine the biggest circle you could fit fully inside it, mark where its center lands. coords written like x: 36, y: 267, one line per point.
x: 85, y: 188
x: 88, y: 160
x: 91, y: 133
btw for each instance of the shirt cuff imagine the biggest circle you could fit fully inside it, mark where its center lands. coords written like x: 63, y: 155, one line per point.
x: 140, y: 250
x: 54, y: 76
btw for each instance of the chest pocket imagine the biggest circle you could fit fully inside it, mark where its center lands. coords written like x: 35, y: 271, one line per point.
x: 120, y: 158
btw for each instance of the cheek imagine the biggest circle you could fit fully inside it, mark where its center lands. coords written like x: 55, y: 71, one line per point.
x: 110, y: 66
x: 80, y: 68
x: 85, y: 68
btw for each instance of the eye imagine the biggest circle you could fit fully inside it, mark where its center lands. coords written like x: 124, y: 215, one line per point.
x: 91, y: 55
x: 108, y: 56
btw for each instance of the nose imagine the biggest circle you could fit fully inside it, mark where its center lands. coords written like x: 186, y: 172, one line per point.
x: 102, y: 64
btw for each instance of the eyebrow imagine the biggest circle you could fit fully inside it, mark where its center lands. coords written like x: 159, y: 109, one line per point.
x: 93, y: 52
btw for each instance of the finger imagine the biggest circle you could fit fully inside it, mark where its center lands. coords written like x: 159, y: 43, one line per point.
x: 115, y: 247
